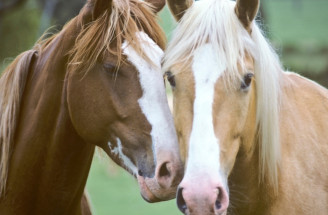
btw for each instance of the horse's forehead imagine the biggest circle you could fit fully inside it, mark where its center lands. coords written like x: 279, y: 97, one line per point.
x: 206, y: 65
x: 149, y: 48
x: 149, y: 70
x: 203, y: 69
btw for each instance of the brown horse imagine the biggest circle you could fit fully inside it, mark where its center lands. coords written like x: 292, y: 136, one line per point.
x: 242, y: 122
x: 97, y: 82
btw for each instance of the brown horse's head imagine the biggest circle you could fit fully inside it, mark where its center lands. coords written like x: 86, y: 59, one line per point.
x: 116, y: 93
x: 213, y: 63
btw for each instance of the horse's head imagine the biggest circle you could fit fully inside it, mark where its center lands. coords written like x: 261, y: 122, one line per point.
x: 211, y: 70
x: 116, y: 93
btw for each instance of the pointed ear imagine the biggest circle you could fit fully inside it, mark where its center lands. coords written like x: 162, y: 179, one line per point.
x: 157, y: 4
x: 246, y: 11
x: 178, y: 7
x: 100, y: 6
x: 93, y: 9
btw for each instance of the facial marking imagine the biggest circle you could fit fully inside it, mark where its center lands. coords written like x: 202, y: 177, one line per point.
x: 153, y: 102
x: 204, y: 150
x: 119, y: 152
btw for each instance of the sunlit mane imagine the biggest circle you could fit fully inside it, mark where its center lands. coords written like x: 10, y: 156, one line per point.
x: 109, y: 31
x: 215, y: 22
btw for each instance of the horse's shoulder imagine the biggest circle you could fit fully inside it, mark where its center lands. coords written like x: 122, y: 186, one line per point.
x: 303, y: 85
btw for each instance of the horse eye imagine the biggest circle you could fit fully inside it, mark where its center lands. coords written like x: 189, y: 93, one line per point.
x: 108, y: 67
x: 170, y: 78
x: 246, y: 81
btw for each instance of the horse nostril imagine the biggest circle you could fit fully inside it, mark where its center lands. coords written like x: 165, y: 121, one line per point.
x: 180, y: 201
x: 140, y: 173
x: 165, y: 175
x: 218, y: 202
x: 164, y: 170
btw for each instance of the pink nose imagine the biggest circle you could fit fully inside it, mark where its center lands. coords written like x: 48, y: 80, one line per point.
x: 202, y: 199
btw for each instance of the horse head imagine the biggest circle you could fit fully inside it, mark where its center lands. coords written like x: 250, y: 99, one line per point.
x: 116, y: 93
x: 210, y: 65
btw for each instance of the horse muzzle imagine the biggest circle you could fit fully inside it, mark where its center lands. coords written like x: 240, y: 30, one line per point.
x: 203, y: 198
x: 163, y: 185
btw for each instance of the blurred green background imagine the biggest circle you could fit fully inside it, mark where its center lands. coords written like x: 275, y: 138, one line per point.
x: 298, y: 30
x: 114, y: 192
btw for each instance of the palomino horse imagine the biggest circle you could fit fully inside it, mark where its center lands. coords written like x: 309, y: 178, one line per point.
x: 241, y: 120
x: 98, y: 82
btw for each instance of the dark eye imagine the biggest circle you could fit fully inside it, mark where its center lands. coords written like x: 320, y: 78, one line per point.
x: 170, y: 78
x: 246, y: 81
x: 109, y: 67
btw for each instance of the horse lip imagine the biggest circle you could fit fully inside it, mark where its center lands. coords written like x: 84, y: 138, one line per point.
x: 153, y: 200
x: 146, y: 194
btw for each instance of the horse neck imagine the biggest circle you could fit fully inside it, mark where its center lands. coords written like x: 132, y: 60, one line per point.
x: 50, y: 162
x: 247, y: 195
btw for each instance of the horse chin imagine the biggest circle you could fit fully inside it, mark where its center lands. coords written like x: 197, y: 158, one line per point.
x: 152, y: 192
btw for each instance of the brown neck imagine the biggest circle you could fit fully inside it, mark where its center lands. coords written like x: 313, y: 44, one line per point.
x: 49, y: 162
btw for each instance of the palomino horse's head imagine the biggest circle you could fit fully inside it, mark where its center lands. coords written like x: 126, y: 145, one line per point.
x: 210, y: 65
x: 116, y: 94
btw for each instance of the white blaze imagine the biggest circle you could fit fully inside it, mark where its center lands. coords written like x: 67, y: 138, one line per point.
x: 204, y: 150
x: 153, y: 102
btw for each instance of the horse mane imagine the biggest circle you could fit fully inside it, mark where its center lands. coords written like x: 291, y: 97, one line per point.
x: 12, y: 84
x: 215, y: 22
x: 107, y: 33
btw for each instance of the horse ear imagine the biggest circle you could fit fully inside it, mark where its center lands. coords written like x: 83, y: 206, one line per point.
x: 93, y: 9
x: 100, y: 6
x: 157, y: 4
x: 178, y: 7
x: 246, y: 11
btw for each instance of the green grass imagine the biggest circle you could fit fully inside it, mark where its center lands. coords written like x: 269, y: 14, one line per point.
x: 114, y: 192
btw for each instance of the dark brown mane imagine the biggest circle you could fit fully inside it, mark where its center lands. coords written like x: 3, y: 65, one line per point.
x: 107, y: 33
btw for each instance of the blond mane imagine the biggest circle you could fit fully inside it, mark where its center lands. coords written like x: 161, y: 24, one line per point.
x: 215, y: 22
x: 109, y: 31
